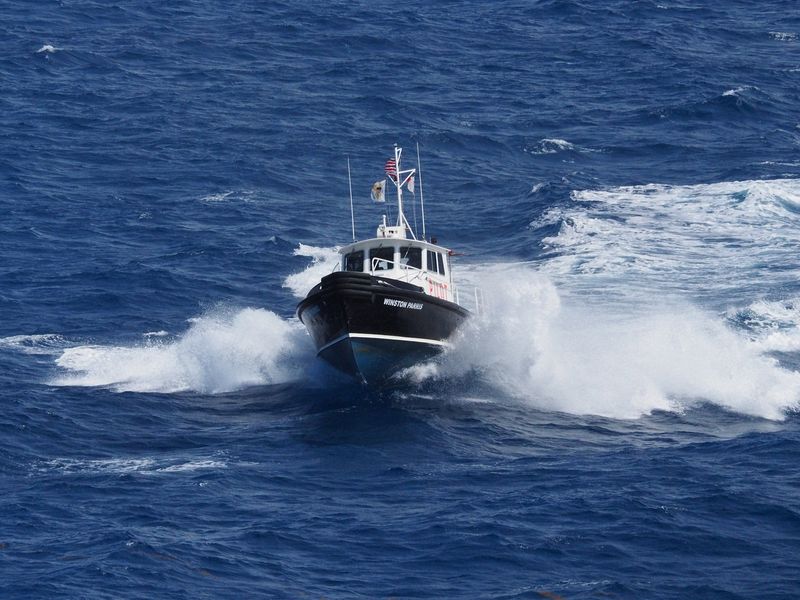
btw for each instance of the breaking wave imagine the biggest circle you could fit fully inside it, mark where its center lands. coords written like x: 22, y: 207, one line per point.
x: 47, y: 49
x: 554, y: 146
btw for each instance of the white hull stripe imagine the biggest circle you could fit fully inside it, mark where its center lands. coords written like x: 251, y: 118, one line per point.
x: 380, y: 336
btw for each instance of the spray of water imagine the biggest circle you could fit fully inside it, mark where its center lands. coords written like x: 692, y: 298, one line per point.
x: 620, y: 362
x: 221, y: 351
x: 323, y: 262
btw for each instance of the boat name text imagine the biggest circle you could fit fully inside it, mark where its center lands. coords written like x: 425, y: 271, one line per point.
x: 402, y: 304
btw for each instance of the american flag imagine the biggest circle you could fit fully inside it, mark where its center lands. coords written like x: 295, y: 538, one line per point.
x: 391, y: 168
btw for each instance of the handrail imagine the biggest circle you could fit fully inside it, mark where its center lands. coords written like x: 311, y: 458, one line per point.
x: 450, y: 292
x: 480, y: 301
x: 375, y: 260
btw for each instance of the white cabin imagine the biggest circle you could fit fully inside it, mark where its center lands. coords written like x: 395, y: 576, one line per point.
x: 394, y: 256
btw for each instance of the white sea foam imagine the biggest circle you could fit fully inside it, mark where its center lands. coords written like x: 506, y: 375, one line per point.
x: 773, y: 325
x: 193, y: 465
x: 219, y: 197
x: 124, y: 466
x: 160, y: 333
x: 555, y: 146
x: 47, y: 49
x: 48, y: 343
x: 229, y: 196
x: 734, y: 91
x: 551, y: 146
x: 105, y: 465
x: 693, y: 240
x: 221, y: 351
x: 323, y: 262
x: 783, y: 36
x: 620, y: 362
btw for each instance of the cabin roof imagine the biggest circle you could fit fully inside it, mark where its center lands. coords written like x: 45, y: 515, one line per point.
x: 386, y: 242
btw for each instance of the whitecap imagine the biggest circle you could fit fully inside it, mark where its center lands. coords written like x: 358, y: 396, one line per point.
x: 231, y: 195
x: 783, y: 36
x: 47, y: 49
x: 129, y: 465
x: 105, y: 465
x: 160, y: 333
x: 193, y: 465
x: 551, y: 146
x: 735, y: 92
x: 218, y: 197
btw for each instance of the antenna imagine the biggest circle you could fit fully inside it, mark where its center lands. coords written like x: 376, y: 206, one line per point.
x: 352, y: 215
x: 421, y: 199
x: 398, y: 185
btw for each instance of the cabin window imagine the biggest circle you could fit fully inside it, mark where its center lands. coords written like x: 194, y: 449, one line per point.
x: 385, y: 259
x: 435, y: 262
x: 411, y: 257
x: 431, y: 262
x: 354, y: 261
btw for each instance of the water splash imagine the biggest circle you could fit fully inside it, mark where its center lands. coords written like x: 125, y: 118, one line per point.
x: 620, y: 362
x: 323, y: 262
x: 774, y: 325
x: 222, y: 351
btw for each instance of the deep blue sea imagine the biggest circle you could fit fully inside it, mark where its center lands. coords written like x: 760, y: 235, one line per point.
x: 620, y: 178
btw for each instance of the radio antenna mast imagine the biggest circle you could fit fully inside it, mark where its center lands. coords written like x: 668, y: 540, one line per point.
x: 421, y: 199
x: 352, y: 215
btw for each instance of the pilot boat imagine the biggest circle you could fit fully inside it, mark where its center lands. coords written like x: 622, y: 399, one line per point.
x: 392, y: 301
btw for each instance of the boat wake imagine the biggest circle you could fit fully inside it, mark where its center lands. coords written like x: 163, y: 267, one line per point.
x: 714, y: 243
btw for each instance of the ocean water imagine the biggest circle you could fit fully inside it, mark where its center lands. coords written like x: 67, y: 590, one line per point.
x: 621, y: 179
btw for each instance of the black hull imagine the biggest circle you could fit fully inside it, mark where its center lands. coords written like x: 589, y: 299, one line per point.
x: 372, y: 327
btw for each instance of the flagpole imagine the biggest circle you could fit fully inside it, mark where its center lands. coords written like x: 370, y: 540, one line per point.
x: 352, y: 214
x: 421, y: 199
x: 400, y: 215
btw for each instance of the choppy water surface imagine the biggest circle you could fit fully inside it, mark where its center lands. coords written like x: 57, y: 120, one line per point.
x: 620, y: 178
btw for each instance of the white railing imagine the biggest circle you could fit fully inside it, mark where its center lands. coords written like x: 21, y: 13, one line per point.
x: 412, y: 274
x: 480, y: 302
x: 418, y: 273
